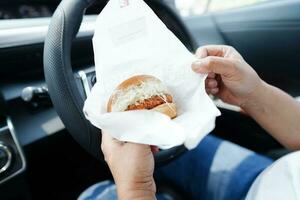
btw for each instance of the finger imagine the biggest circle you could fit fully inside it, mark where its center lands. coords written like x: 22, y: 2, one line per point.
x: 106, y: 137
x: 211, y: 75
x: 207, y: 91
x: 212, y: 64
x: 211, y: 50
x: 201, y: 52
x: 109, y: 138
x: 108, y: 142
x: 139, y: 147
x: 211, y: 83
x: 154, y: 149
x: 214, y: 91
x: 217, y: 50
x: 207, y: 80
x: 207, y: 87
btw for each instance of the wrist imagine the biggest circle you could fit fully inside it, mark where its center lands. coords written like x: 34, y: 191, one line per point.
x: 142, y: 190
x: 136, y: 195
x: 256, y: 99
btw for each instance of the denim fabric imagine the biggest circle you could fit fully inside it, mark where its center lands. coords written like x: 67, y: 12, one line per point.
x: 215, y: 170
x: 106, y: 190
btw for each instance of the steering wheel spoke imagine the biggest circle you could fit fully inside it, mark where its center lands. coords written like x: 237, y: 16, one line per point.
x: 86, y: 80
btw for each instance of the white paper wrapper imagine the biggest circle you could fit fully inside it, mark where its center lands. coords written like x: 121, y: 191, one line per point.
x: 130, y: 41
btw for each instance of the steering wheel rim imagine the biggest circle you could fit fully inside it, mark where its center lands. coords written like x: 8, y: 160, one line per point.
x: 61, y: 83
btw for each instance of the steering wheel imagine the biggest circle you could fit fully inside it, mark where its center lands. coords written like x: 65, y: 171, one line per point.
x: 63, y: 89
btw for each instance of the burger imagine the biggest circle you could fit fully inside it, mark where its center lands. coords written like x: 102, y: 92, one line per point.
x: 142, y: 92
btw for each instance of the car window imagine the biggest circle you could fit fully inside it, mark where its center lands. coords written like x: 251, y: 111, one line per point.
x: 198, y: 7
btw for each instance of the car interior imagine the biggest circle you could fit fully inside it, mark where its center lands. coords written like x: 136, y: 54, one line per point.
x: 49, y: 151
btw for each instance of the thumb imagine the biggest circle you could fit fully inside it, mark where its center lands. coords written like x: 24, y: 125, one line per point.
x: 217, y: 65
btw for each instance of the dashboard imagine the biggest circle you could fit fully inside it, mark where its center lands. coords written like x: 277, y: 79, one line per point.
x: 26, y: 11
x: 21, y: 9
x: 23, y: 28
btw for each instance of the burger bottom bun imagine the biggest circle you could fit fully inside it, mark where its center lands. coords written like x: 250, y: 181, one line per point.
x: 167, y: 109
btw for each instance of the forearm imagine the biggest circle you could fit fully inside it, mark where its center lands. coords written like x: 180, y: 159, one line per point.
x: 277, y: 112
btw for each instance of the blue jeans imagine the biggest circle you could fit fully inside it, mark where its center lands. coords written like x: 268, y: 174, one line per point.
x: 215, y: 170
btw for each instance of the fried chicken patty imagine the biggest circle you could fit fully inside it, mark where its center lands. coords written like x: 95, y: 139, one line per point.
x: 150, y: 103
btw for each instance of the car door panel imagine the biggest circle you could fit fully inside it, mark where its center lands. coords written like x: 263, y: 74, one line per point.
x: 204, y: 30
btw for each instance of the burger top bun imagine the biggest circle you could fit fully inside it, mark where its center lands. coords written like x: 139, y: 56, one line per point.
x: 137, y: 89
x: 136, y: 80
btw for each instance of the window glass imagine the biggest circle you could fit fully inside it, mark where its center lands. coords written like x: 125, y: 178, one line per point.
x: 198, y: 7
x: 216, y: 5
